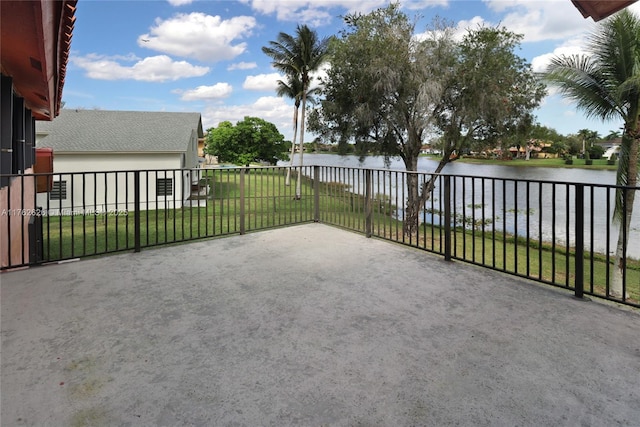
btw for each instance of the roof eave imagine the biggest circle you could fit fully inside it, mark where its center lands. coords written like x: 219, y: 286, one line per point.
x: 36, y: 55
x: 600, y: 9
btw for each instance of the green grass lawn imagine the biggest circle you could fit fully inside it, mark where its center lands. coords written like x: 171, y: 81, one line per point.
x: 268, y: 202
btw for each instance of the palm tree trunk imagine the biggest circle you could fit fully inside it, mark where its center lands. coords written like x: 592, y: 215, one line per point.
x: 304, y: 107
x: 287, y: 181
x: 616, y: 289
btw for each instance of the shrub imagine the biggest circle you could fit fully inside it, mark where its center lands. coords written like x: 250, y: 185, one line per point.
x: 595, y: 152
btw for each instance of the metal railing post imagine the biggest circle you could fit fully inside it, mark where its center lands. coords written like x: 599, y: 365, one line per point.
x: 316, y: 193
x: 136, y: 211
x: 242, y: 194
x: 579, y: 231
x: 447, y: 217
x: 368, y: 202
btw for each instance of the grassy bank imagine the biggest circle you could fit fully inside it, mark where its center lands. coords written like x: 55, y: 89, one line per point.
x: 598, y: 164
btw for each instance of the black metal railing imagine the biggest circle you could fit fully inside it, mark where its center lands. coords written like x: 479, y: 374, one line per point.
x: 558, y: 233
x: 94, y: 213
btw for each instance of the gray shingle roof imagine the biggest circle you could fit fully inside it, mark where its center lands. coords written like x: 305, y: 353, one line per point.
x: 119, y: 131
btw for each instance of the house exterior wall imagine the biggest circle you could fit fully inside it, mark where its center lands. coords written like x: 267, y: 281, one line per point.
x: 104, y: 182
x: 17, y: 190
x: 191, y: 155
x: 201, y: 152
x: 17, y: 209
x: 93, y: 162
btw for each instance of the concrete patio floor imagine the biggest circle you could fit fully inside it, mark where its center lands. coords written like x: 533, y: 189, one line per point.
x: 307, y: 326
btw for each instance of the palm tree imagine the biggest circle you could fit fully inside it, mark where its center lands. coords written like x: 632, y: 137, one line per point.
x: 587, y: 136
x: 613, y: 134
x: 293, y: 89
x: 299, y: 57
x: 606, y: 84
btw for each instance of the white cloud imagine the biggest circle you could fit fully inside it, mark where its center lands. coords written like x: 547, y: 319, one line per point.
x: 313, y: 12
x: 501, y: 5
x: 318, y: 76
x: 179, y: 2
x: 321, y: 12
x: 363, y: 6
x: 535, y: 20
x: 423, y: 4
x: 159, y: 68
x: 269, y: 82
x: 540, y: 20
x: 635, y: 8
x: 471, y: 24
x: 242, y: 66
x: 270, y: 108
x: 570, y: 47
x: 262, y: 82
x: 461, y: 28
x: 217, y: 91
x: 200, y: 36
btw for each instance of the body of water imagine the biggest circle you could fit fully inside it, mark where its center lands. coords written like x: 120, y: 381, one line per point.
x: 540, y: 208
x: 426, y: 164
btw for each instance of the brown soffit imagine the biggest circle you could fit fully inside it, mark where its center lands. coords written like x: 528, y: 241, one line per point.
x: 35, y: 40
x: 600, y: 9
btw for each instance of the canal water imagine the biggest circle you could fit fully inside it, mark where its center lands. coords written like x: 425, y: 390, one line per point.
x: 426, y: 164
x: 540, y: 208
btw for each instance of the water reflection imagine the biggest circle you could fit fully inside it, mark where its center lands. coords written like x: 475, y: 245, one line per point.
x: 500, y: 196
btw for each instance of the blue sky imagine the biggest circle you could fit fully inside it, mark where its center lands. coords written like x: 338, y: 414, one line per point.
x: 206, y: 57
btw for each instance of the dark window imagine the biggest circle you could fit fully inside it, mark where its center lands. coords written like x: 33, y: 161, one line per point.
x: 59, y: 190
x: 30, y: 140
x: 18, y: 141
x: 17, y: 133
x: 6, y: 130
x: 164, y: 186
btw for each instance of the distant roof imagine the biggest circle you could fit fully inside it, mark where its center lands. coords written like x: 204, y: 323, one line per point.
x: 119, y: 131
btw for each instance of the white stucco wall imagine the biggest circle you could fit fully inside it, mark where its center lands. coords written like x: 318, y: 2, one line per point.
x: 191, y: 155
x: 104, y: 182
x: 89, y: 162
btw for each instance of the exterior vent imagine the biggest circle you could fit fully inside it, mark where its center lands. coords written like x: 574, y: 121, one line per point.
x: 35, y: 63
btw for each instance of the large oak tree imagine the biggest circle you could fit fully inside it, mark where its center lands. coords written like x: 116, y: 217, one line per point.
x: 250, y: 140
x: 389, y: 90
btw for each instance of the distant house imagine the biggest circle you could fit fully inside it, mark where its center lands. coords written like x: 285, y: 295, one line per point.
x: 609, y: 143
x: 102, y: 142
x: 612, y: 153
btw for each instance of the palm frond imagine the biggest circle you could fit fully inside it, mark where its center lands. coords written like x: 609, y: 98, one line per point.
x: 606, y: 84
x: 579, y: 78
